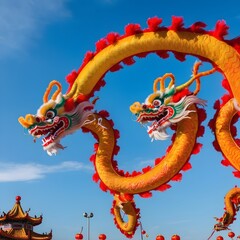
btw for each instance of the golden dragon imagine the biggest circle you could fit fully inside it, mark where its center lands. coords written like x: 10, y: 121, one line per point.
x: 168, y: 106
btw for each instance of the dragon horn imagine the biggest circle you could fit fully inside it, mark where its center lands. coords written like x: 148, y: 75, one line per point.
x: 161, y: 80
x: 27, y: 121
x: 195, y: 77
x: 49, y: 88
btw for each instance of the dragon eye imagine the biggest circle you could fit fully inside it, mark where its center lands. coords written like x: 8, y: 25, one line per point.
x: 50, y: 114
x: 38, y: 119
x: 156, y: 103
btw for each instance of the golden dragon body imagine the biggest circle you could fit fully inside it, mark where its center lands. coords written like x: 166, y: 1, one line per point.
x: 110, y: 53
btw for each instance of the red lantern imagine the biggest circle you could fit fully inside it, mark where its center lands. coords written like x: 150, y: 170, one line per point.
x: 231, y: 234
x: 78, y: 236
x: 160, y: 237
x: 143, y: 231
x: 102, y: 236
x: 219, y: 238
x: 175, y: 237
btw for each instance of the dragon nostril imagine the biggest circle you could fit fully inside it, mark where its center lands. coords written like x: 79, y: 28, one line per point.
x: 144, y: 106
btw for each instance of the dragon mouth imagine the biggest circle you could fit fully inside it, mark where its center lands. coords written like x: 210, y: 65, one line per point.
x: 157, y: 118
x: 52, y: 131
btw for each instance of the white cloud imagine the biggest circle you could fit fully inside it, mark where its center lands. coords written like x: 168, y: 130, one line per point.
x: 22, y: 21
x: 11, y: 172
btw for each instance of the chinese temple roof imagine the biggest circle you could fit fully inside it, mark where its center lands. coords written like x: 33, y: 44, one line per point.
x: 17, y: 214
x: 23, y: 234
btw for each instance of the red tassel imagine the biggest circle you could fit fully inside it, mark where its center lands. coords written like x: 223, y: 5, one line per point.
x: 153, y: 23
x: 112, y: 37
x: 145, y: 195
x: 198, y: 27
x: 162, y: 54
x: 221, y: 29
x: 187, y: 167
x: 177, y: 178
x: 132, y: 29
x: 101, y: 44
x: 177, y: 23
x: 197, y: 148
x: 163, y: 187
x: 115, y: 68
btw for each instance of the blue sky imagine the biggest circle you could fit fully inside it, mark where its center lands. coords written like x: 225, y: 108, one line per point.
x: 41, y: 40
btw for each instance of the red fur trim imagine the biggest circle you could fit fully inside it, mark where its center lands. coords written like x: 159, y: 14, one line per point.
x: 93, y: 158
x: 225, y: 98
x: 201, y: 131
x: 187, y: 166
x: 221, y: 29
x: 101, y: 44
x: 116, y: 67
x: 177, y: 23
x: 197, y: 148
x: 153, y: 23
x: 128, y: 61
x: 216, y: 146
x: 95, y: 177
x: 116, y: 134
x: 69, y: 105
x: 177, y: 178
x: 132, y: 29
x: 146, y: 169
x: 225, y: 84
x: 103, y: 186
x: 179, y: 95
x: 142, y: 55
x: 180, y: 56
x: 163, y: 187
x: 95, y: 146
x: 116, y: 150
x: 158, y: 160
x: 112, y: 37
x: 225, y: 163
x: 145, y: 195
x: 201, y: 115
x: 162, y: 54
x: 81, y: 98
x: 104, y: 113
x: 88, y: 57
x: 198, y: 27
x: 236, y: 174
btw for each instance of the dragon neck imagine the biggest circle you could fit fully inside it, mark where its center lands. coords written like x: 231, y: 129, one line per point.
x: 160, y: 174
x: 205, y: 46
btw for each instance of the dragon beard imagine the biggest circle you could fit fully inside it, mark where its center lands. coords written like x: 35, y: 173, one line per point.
x: 157, y: 131
x: 77, y: 118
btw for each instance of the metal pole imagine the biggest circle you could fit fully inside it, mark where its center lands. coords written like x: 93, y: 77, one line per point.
x: 88, y: 216
x: 88, y: 227
x: 141, y: 230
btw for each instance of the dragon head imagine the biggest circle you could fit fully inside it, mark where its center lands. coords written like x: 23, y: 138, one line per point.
x: 168, y: 105
x: 56, y: 118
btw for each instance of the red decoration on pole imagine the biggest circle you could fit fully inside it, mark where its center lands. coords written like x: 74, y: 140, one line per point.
x: 78, y: 236
x: 175, y: 237
x: 231, y: 234
x: 102, y: 236
x: 18, y: 199
x: 219, y: 238
x: 143, y: 231
x: 160, y: 237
